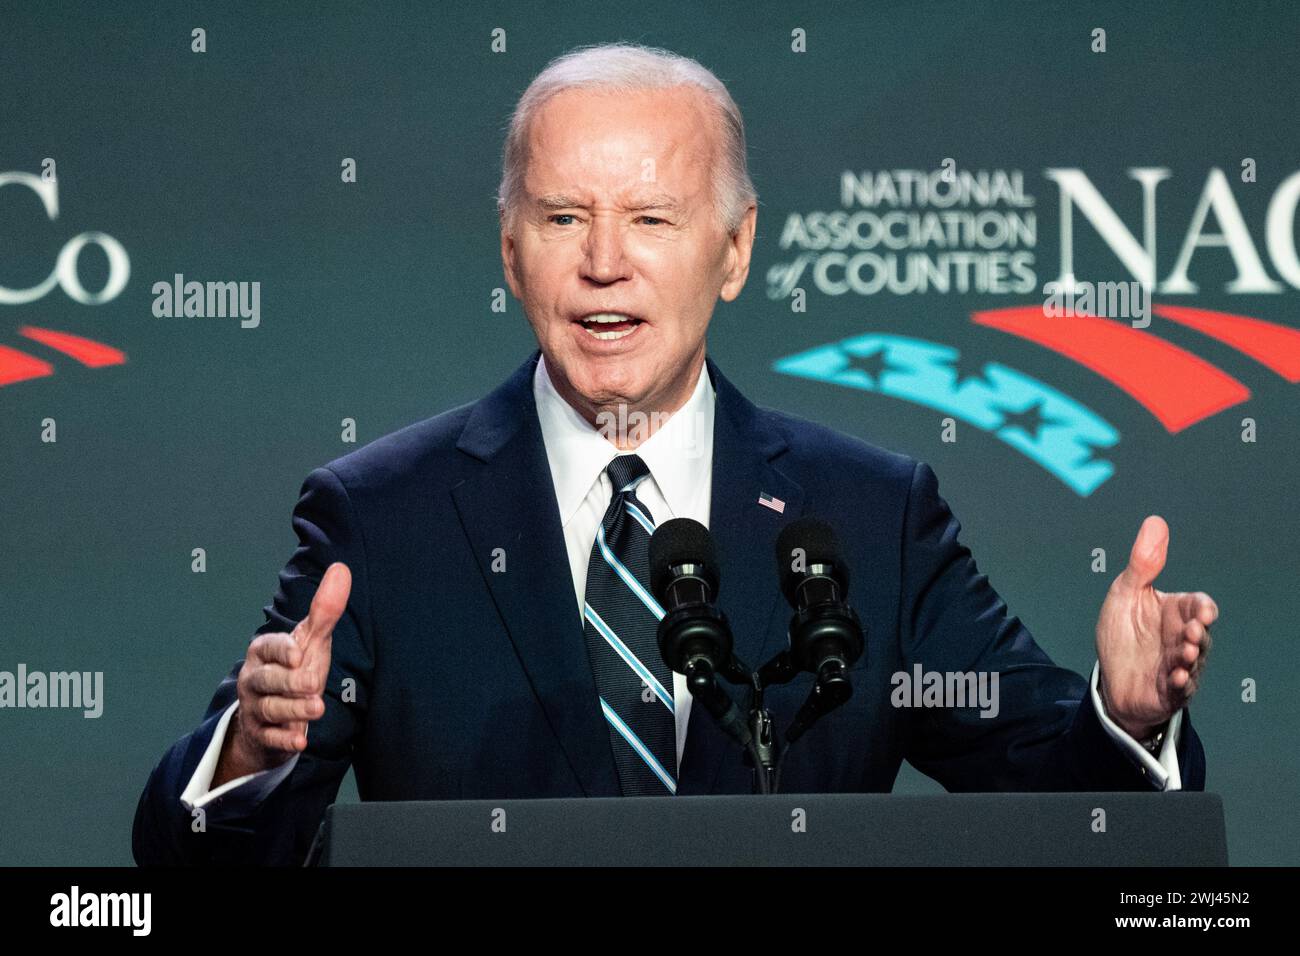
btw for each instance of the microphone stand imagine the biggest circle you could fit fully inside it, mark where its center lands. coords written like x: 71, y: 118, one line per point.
x: 755, y: 734
x: 829, y: 691
x: 762, y: 752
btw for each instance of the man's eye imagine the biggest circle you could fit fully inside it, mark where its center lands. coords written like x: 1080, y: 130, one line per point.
x: 653, y: 220
x: 560, y: 215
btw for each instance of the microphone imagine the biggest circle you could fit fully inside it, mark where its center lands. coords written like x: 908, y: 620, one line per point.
x: 694, y: 636
x: 825, y: 633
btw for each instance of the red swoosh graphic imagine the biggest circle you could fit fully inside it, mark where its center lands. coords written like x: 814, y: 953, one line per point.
x: 1177, y: 387
x: 1274, y: 346
x: 16, y: 366
x: 86, y: 351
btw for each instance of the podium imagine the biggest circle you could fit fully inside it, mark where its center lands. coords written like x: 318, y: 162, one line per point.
x: 973, y: 829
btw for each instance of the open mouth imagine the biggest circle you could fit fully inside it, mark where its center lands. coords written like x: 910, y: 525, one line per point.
x: 609, y: 326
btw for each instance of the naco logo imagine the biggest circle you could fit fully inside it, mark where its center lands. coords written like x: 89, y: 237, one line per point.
x: 1058, y: 432
x: 17, y: 365
x: 1139, y: 258
x: 64, y: 273
x: 906, y: 232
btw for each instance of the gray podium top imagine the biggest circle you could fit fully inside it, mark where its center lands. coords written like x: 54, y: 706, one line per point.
x: 973, y: 829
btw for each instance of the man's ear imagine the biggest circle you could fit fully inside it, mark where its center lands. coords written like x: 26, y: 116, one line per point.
x: 508, y: 251
x: 740, y: 247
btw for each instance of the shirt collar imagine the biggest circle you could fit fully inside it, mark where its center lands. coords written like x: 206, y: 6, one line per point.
x: 679, y: 454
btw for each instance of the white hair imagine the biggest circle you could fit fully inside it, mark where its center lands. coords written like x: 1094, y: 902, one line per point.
x: 625, y: 68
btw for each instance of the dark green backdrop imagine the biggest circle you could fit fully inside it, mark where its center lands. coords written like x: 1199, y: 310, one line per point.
x: 375, y: 301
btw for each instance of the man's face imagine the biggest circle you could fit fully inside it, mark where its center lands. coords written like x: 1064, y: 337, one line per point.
x: 617, y: 217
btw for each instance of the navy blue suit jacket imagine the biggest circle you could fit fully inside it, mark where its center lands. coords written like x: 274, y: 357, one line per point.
x: 471, y: 683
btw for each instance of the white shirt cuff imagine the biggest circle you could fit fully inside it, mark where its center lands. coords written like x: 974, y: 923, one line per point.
x: 1162, y: 771
x: 242, y: 794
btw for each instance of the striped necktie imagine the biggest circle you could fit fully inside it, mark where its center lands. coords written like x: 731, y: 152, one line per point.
x: 620, y: 618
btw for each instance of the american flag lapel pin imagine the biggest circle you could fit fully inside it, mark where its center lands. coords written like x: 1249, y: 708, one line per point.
x: 767, y: 501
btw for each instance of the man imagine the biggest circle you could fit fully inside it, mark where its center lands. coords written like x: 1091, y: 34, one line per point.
x: 426, y: 629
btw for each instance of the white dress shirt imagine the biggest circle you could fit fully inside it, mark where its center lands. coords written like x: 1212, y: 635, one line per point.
x: 680, y: 458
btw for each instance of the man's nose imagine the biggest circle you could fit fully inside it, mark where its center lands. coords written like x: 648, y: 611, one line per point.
x: 604, y: 258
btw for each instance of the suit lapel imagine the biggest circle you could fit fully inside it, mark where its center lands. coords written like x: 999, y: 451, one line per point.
x: 744, y: 531
x: 510, y: 504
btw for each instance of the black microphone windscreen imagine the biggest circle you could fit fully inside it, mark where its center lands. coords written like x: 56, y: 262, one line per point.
x: 819, y: 545
x: 680, y: 541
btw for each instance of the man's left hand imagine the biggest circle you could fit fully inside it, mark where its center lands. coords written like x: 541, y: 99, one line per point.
x: 1151, y: 645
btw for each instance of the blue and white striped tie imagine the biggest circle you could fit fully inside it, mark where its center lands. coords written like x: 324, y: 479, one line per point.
x: 620, y: 618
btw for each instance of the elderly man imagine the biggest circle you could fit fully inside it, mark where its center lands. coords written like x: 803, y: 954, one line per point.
x: 426, y: 629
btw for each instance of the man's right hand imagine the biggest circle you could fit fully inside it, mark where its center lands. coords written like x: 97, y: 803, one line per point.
x: 281, y: 685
